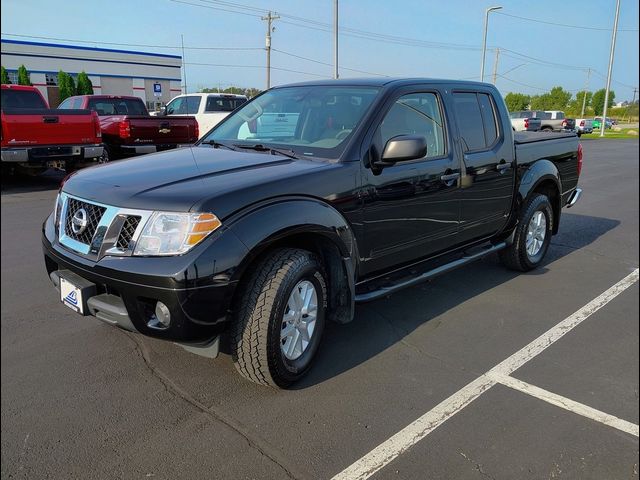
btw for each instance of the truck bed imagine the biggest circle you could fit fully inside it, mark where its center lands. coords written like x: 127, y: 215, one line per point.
x: 533, y: 146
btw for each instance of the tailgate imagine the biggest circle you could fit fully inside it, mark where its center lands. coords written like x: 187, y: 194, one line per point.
x: 150, y: 130
x: 48, y: 127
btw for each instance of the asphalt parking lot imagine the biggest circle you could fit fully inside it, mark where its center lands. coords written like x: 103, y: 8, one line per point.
x: 413, y: 376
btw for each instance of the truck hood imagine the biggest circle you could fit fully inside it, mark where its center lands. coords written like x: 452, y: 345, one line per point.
x: 180, y: 180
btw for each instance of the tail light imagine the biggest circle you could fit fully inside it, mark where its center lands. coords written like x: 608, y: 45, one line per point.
x: 197, y: 130
x: 125, y: 129
x: 582, y: 123
x: 579, y: 158
x: 96, y: 124
x: 526, y: 123
x: 564, y: 123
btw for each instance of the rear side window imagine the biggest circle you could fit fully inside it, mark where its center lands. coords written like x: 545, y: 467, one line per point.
x: 476, y: 117
x: 223, y: 104
x: 21, y: 99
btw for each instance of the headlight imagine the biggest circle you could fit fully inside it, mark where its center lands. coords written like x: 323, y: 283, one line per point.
x: 56, y: 210
x: 173, y: 233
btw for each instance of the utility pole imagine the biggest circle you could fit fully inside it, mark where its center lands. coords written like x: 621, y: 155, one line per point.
x: 635, y: 90
x: 584, y: 97
x: 184, y: 67
x: 335, y: 39
x: 611, y: 54
x: 269, y: 19
x: 495, y: 65
x: 484, y: 38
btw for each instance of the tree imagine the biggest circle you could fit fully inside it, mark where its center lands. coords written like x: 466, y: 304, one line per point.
x: 517, y: 101
x: 555, y: 99
x: 5, y: 76
x: 66, y: 86
x: 597, y: 101
x: 576, y: 104
x: 85, y: 87
x: 23, y: 76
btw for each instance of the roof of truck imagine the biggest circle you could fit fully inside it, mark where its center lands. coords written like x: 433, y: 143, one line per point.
x: 383, y: 82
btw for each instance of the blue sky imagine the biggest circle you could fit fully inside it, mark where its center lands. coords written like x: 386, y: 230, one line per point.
x: 459, y: 22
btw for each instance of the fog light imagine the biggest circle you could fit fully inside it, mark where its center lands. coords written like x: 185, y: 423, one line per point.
x: 161, y: 319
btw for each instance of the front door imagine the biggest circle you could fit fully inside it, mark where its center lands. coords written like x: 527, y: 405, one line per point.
x: 411, y: 209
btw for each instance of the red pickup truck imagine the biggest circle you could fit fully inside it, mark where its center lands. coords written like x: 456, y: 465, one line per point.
x: 35, y: 137
x: 128, y: 129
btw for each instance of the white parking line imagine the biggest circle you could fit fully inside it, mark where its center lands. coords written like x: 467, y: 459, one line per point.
x: 390, y: 449
x: 566, y: 403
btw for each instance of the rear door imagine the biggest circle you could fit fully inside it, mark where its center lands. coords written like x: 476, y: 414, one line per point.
x: 488, y: 174
x: 411, y: 209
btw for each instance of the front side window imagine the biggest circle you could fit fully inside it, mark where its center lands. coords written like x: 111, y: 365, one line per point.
x: 193, y: 104
x: 177, y: 106
x: 314, y: 120
x: 415, y: 114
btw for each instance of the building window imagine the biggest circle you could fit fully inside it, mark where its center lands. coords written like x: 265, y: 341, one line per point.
x: 51, y: 78
x: 13, y: 77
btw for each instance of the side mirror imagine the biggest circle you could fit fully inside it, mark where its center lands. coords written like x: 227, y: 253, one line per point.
x: 403, y: 148
x: 163, y: 112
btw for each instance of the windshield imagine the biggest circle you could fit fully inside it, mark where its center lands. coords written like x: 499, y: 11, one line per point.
x: 117, y: 106
x: 310, y: 120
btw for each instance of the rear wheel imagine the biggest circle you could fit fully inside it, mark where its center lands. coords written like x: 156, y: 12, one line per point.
x: 547, y: 129
x: 532, y: 236
x: 279, y: 318
x: 104, y: 158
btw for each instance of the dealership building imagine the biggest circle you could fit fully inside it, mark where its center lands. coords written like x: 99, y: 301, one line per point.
x: 153, y: 77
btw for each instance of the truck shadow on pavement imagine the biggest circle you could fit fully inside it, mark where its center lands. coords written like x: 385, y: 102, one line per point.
x: 379, y: 325
x: 20, y: 183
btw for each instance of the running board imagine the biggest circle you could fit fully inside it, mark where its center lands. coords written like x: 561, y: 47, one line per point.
x: 388, y: 290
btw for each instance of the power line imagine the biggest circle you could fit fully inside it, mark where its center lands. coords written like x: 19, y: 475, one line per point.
x: 94, y: 42
x: 256, y: 66
x: 328, y: 64
x: 564, y: 24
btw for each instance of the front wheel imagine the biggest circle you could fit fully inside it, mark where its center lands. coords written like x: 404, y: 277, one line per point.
x: 532, y: 236
x: 279, y: 318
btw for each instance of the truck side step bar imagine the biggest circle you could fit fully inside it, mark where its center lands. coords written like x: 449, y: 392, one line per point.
x: 428, y: 275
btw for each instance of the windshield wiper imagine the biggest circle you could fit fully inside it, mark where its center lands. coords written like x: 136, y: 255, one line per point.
x: 263, y: 148
x: 216, y: 144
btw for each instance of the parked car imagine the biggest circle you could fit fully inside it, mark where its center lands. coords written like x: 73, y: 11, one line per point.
x: 208, y: 108
x: 557, y: 121
x: 35, y: 137
x: 597, y: 123
x: 128, y: 129
x: 250, y: 244
x: 584, y: 125
x: 524, y: 121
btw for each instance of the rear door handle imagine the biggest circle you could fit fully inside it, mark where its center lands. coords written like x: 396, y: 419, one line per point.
x: 502, y: 167
x: 450, y: 178
x: 50, y: 119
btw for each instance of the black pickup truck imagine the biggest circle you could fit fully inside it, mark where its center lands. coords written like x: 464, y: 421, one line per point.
x: 308, y: 199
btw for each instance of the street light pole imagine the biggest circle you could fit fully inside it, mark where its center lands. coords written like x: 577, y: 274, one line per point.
x: 335, y: 39
x: 611, y: 54
x: 484, y: 38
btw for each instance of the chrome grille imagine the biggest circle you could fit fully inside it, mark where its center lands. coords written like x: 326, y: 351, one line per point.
x: 94, y: 214
x: 127, y: 231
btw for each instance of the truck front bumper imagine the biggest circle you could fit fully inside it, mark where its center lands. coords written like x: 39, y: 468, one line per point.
x: 129, y: 296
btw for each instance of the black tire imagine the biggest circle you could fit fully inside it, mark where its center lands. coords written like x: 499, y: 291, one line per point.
x: 547, y: 129
x: 515, y: 256
x: 258, y: 317
x: 105, y: 157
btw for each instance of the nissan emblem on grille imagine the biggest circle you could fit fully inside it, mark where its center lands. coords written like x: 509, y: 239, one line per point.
x: 79, y: 221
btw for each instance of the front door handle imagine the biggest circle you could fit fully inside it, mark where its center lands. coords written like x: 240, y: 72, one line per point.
x: 450, y: 178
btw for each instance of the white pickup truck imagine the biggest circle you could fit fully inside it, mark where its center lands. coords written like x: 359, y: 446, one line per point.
x: 208, y: 108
